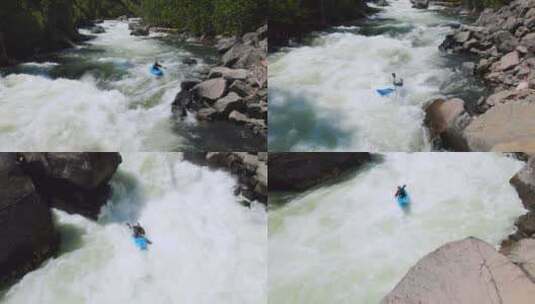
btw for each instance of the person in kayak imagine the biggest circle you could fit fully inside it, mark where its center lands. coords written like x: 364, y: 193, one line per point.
x: 156, y: 65
x: 138, y: 231
x: 401, y: 192
x: 398, y: 83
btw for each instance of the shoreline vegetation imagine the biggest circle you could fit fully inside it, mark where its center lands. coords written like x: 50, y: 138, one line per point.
x: 51, y: 25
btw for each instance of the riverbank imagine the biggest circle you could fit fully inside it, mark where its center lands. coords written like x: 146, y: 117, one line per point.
x: 502, y: 42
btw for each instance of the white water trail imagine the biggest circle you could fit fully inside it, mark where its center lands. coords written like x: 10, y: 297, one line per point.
x: 207, y: 248
x: 336, y: 77
x: 351, y: 243
x: 130, y: 113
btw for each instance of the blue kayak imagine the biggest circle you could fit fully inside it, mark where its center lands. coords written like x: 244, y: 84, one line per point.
x: 403, y: 201
x: 141, y: 242
x: 385, y: 92
x: 156, y: 71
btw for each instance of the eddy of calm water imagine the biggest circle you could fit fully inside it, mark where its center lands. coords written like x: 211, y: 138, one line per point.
x: 323, y: 95
x: 351, y: 243
x: 207, y: 248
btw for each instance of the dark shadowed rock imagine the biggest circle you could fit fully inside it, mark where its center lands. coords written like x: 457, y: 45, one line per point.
x: 73, y: 182
x: 463, y: 272
x: 300, y: 171
x: 524, y: 183
x: 28, y: 236
x: 189, y: 61
x: 446, y: 120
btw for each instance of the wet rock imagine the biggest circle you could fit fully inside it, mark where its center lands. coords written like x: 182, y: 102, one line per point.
x: 211, y: 89
x: 189, y: 61
x: 470, y: 271
x: 97, y: 30
x: 187, y: 85
x: 526, y: 225
x: 300, y: 171
x: 421, y: 4
x: 524, y: 183
x: 140, y: 31
x: 445, y: 120
x: 28, y: 235
x: 227, y: 73
x: 73, y: 182
x: 207, y: 114
x: 468, y: 68
x: 238, y: 117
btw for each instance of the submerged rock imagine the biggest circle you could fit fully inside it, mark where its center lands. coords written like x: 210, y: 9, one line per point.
x: 28, y: 236
x: 463, y: 272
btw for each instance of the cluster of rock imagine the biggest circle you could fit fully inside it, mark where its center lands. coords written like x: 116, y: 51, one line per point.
x: 31, y: 184
x: 504, y: 42
x: 236, y: 90
x: 301, y: 171
x: 137, y: 27
x: 250, y: 168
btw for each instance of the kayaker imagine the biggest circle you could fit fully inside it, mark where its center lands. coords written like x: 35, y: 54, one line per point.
x: 156, y: 65
x: 401, y: 192
x: 398, y: 83
x: 138, y: 231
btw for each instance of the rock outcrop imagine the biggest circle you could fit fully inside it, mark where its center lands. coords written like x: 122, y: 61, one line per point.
x: 250, y: 168
x: 73, y: 182
x: 503, y: 40
x: 235, y: 91
x: 28, y: 235
x: 446, y: 120
x: 300, y: 171
x: 464, y: 272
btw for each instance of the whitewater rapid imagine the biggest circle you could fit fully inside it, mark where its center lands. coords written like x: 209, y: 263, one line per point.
x: 351, y: 243
x: 322, y: 95
x: 207, y: 248
x: 100, y: 96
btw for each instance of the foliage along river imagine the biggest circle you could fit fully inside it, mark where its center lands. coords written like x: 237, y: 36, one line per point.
x: 100, y: 96
x: 322, y: 94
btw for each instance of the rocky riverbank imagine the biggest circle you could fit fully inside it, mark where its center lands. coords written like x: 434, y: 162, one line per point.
x: 301, y: 171
x: 33, y: 183
x: 236, y: 90
x: 250, y: 169
x: 503, y: 41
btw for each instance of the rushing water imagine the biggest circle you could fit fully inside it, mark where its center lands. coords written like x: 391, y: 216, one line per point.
x: 322, y: 95
x: 351, y: 243
x: 101, y: 96
x: 207, y: 248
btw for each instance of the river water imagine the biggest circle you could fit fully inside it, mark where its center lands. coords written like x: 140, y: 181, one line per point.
x: 100, y: 96
x: 207, y: 248
x: 350, y: 242
x: 322, y: 93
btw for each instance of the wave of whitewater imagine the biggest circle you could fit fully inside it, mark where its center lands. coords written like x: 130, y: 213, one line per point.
x: 322, y: 96
x: 206, y: 248
x: 350, y: 242
x: 100, y: 97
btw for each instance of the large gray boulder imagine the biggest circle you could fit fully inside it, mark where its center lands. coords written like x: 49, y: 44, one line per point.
x: 446, y: 120
x: 211, y: 89
x: 229, y: 103
x: 464, y: 272
x: 508, y: 127
x: 26, y: 228
x: 73, y: 182
x: 242, y: 56
x: 421, y: 4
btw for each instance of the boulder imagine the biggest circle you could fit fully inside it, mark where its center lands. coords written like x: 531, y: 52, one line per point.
x: 238, y: 117
x: 229, y: 103
x: 525, y: 225
x: 445, y: 120
x: 420, y: 4
x: 211, y: 89
x: 241, y: 88
x: 301, y: 171
x: 227, y: 73
x: 505, y: 41
x: 242, y: 56
x: 509, y: 124
x: 73, y: 182
x: 463, y: 272
x: 529, y: 42
x: 522, y: 253
x: 189, y: 61
x: 97, y: 29
x: 225, y: 44
x: 27, y: 230
x: 524, y: 183
x: 207, y: 114
x: 262, y: 32
x: 508, y: 61
x: 140, y: 31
